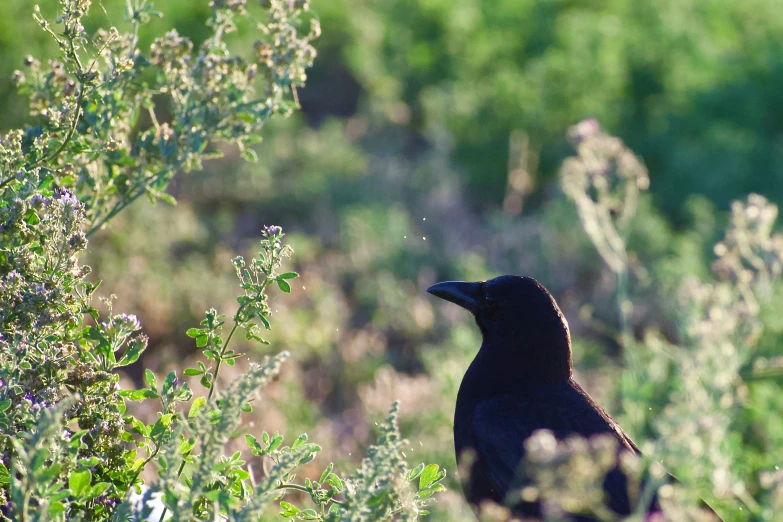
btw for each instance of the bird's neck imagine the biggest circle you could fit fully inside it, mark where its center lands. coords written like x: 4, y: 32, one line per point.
x: 514, y: 369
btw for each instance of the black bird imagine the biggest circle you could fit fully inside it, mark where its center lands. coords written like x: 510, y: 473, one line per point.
x: 521, y: 381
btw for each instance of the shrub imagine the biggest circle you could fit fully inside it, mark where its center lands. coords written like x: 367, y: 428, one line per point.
x: 115, y: 124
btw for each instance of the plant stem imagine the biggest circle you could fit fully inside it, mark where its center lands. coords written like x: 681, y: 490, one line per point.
x: 181, y: 467
x: 121, y: 205
x: 75, y: 122
x: 223, y: 351
x: 625, y: 309
x: 286, y: 485
x: 6, y: 182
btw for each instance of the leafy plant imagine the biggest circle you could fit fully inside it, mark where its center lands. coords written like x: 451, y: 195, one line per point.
x: 116, y: 124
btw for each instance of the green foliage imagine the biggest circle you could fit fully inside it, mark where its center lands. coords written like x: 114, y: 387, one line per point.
x: 92, y: 140
x: 70, y: 449
x: 702, y: 377
x: 414, y: 110
x: 688, y: 84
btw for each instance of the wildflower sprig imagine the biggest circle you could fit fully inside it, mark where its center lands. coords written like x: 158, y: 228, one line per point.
x: 253, y: 310
x: 90, y: 137
x: 702, y: 373
x: 604, y: 180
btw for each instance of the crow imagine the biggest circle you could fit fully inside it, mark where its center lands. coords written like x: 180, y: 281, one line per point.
x: 521, y: 381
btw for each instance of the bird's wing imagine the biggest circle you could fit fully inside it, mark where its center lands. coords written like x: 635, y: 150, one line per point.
x: 502, y: 424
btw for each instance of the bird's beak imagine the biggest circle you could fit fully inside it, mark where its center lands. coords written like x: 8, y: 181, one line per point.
x: 466, y: 295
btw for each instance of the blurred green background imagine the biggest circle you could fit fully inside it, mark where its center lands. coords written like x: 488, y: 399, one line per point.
x: 427, y: 148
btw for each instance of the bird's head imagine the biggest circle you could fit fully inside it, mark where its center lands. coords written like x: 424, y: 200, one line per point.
x: 519, y: 320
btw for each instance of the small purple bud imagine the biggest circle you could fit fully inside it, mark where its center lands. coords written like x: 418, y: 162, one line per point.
x: 105, y: 500
x: 272, y: 230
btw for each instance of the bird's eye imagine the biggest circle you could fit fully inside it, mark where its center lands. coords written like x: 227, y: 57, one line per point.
x: 489, y: 301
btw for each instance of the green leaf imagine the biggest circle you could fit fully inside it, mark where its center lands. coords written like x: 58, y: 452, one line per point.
x: 429, y: 475
x: 193, y: 332
x: 31, y: 217
x: 131, y: 356
x: 307, y: 458
x: 60, y: 495
x: 326, y: 472
x: 252, y: 442
x: 195, y: 408
x: 335, y: 481
x: 56, y: 508
x: 288, y: 275
x: 76, y: 439
x: 5, y: 476
x: 79, y: 481
x: 289, y: 510
x: 138, y: 395
x: 276, y: 441
x: 88, y: 463
x: 168, y: 383
x: 299, y: 441
x: 415, y: 472
x: 163, y: 196
x: 50, y: 472
x: 161, y: 424
x: 98, y: 489
x: 308, y: 514
x: 193, y: 371
x: 45, y: 182
x: 201, y: 341
x: 249, y: 155
x: 90, y: 288
x: 427, y: 493
x: 284, y: 286
x: 264, y: 320
x: 185, y: 446
x: 150, y: 378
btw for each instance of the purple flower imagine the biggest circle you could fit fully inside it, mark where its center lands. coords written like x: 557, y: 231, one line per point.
x: 38, y: 201
x: 62, y: 193
x: 66, y: 196
x: 106, y: 501
x: 272, y: 230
